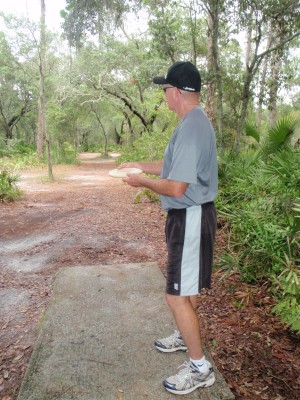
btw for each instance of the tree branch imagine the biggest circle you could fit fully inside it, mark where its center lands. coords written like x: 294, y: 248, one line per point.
x: 281, y: 44
x: 128, y: 105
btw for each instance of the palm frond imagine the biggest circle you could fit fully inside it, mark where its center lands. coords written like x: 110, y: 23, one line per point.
x: 251, y: 130
x: 282, y: 131
x: 280, y: 134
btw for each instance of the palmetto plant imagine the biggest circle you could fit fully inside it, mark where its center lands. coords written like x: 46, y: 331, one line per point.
x: 259, y: 189
x: 278, y: 136
x: 8, y: 188
x: 281, y: 133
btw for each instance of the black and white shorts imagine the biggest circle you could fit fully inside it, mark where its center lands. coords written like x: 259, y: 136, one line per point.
x: 190, y: 236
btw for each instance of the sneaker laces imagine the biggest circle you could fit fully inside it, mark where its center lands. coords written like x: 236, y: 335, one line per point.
x: 184, y: 371
x: 175, y: 337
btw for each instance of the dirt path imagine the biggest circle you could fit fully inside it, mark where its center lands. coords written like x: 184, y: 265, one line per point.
x: 86, y: 217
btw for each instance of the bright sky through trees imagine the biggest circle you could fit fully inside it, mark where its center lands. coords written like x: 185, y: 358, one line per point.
x: 32, y: 10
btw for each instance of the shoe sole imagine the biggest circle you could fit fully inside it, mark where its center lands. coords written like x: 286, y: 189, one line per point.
x: 165, y: 350
x: 207, y: 383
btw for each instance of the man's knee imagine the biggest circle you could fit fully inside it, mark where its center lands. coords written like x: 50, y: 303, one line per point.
x: 176, y: 301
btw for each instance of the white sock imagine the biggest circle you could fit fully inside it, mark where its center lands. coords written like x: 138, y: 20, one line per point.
x: 201, y: 364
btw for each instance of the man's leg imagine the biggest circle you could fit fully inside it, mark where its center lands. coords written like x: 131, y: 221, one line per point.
x: 198, y: 371
x: 194, y: 301
x: 183, y: 309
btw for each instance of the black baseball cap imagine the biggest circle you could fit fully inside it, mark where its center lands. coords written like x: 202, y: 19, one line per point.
x: 183, y: 75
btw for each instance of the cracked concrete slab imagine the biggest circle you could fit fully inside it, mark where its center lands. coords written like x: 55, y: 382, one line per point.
x: 96, y: 340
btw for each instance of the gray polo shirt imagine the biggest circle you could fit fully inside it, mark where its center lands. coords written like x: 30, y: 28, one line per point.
x: 191, y: 157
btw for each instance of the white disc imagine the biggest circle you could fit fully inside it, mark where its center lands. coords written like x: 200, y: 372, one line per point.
x: 122, y: 173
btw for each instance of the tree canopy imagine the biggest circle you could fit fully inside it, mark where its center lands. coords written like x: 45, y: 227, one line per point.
x: 246, y: 51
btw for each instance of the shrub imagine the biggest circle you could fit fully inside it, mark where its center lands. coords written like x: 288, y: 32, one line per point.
x: 259, y: 197
x: 8, y: 189
x: 63, y: 154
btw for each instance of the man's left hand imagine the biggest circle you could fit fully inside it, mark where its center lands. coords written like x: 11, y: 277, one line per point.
x: 133, y: 180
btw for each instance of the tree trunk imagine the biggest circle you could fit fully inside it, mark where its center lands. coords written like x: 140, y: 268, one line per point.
x: 193, y: 22
x: 8, y: 133
x: 7, y: 128
x: 40, y: 137
x: 103, y: 130
x: 130, y: 128
x: 262, y: 90
x: 42, y: 128
x: 243, y: 115
x: 105, y: 139
x: 214, y: 100
x: 210, y: 103
x: 275, y: 68
x: 252, y: 67
x: 10, y: 124
x: 85, y: 141
x: 249, y: 44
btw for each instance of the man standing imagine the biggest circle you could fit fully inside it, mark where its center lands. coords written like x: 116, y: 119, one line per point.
x: 187, y: 187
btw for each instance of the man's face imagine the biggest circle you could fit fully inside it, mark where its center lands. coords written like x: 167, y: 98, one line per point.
x: 170, y: 92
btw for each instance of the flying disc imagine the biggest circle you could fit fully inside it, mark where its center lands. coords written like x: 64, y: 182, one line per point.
x: 122, y: 173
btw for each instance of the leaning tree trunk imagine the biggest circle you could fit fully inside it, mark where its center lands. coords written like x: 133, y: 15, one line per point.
x: 42, y: 129
x: 40, y: 137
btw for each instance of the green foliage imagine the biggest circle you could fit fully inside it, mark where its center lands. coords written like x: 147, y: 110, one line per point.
x: 8, y: 189
x: 81, y: 17
x: 64, y: 153
x: 4, y: 152
x: 289, y: 311
x: 279, y: 135
x: 288, y: 306
x: 259, y: 197
x: 23, y: 148
x: 18, y: 156
x: 251, y: 130
x: 148, y: 147
x: 146, y: 193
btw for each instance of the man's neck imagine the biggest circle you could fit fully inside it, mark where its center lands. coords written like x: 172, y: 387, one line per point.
x: 187, y: 108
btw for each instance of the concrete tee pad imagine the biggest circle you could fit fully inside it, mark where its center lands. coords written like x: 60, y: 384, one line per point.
x: 96, y: 339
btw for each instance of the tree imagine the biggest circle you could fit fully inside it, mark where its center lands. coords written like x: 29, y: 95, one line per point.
x: 15, y: 93
x: 214, y: 106
x: 256, y: 17
x: 115, y: 74
x: 98, y: 117
x: 165, y: 24
x: 42, y: 123
x: 92, y: 17
x: 262, y: 84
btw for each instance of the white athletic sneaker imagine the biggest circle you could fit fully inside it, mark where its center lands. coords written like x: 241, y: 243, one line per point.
x: 171, y: 343
x: 189, y: 378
